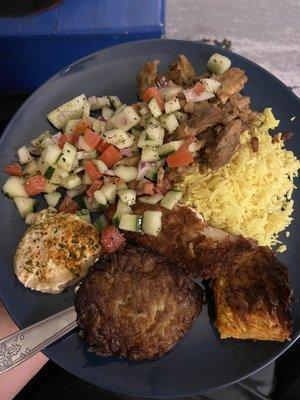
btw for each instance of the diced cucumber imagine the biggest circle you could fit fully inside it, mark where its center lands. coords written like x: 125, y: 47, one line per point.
x: 170, y: 199
x: 47, y: 142
x: 78, y: 169
x: 115, y: 102
x: 87, y: 155
x: 131, y: 222
x: 154, y: 108
x: 71, y: 110
x: 101, y: 166
x: 100, y: 223
x: 122, y: 208
x: 121, y: 108
x: 151, y: 173
x: 84, y: 214
x: 107, y: 112
x: 70, y: 126
x: 149, y: 154
x: 68, y: 157
x: 42, y: 165
x: 125, y: 119
x: 169, y: 148
x: 181, y: 117
x: 155, y: 133
x: 51, y: 154
x: 136, y: 132
x: 37, y: 142
x: 13, y: 187
x: 24, y: 155
x: 49, y: 172
x: 127, y: 196
x: 35, y: 151
x: 172, y: 106
x: 211, y: 85
x: 218, y: 64
x: 98, y: 126
x: 86, y: 180
x: 171, y: 123
x: 52, y: 199
x: 77, y: 191
x: 110, y: 191
x: 152, y: 222
x: 25, y: 205
x: 118, y: 137
x: 71, y: 181
x: 170, y: 92
x: 49, y: 187
x: 100, y: 197
x: 143, y: 141
x: 82, y: 144
x: 86, y: 110
x: 97, y: 103
x: 90, y: 204
x: 30, y: 169
x: 30, y: 218
x: 151, y: 199
x: 128, y: 174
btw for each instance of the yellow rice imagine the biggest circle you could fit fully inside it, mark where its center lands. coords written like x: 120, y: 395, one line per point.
x: 251, y: 195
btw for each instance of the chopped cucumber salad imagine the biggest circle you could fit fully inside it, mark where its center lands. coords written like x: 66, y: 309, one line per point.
x: 105, y: 152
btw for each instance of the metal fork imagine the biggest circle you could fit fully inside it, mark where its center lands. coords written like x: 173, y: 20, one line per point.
x: 21, y: 345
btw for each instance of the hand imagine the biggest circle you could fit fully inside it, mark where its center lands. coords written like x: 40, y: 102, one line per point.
x: 11, y: 382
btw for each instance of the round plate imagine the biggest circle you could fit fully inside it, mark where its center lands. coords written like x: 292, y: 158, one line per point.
x: 201, y: 362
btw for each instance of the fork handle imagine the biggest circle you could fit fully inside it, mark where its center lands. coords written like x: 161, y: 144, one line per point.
x: 21, y: 345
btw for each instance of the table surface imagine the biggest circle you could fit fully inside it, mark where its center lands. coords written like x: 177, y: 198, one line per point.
x: 266, y: 32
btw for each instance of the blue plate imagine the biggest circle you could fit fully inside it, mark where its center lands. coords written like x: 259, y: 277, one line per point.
x: 201, y: 362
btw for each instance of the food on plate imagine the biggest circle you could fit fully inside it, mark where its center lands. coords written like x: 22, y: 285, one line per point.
x: 252, y: 194
x: 191, y: 173
x: 134, y: 304
x: 185, y: 238
x: 253, y: 301
x: 56, y: 251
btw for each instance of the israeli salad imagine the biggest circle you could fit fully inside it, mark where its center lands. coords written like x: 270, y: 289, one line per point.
x: 106, y: 152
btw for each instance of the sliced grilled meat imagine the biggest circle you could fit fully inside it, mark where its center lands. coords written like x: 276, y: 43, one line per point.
x: 134, y: 304
x: 181, y: 71
x: 226, y: 144
x: 147, y: 76
x: 233, y: 81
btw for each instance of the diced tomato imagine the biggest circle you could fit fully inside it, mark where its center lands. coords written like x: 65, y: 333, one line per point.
x: 102, y: 146
x: 35, y: 185
x: 180, y: 158
x: 199, y: 88
x: 96, y: 185
x: 13, y: 169
x: 111, y: 239
x: 62, y: 140
x: 92, y: 138
x: 148, y: 188
x: 92, y: 170
x: 186, y: 144
x: 153, y: 92
x: 73, y: 138
x: 68, y: 205
x: 80, y: 127
x: 111, y: 156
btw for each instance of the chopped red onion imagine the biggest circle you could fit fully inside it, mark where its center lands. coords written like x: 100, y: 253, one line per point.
x: 126, y: 152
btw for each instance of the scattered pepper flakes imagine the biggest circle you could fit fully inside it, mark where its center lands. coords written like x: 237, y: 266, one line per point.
x: 281, y: 249
x: 254, y: 144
